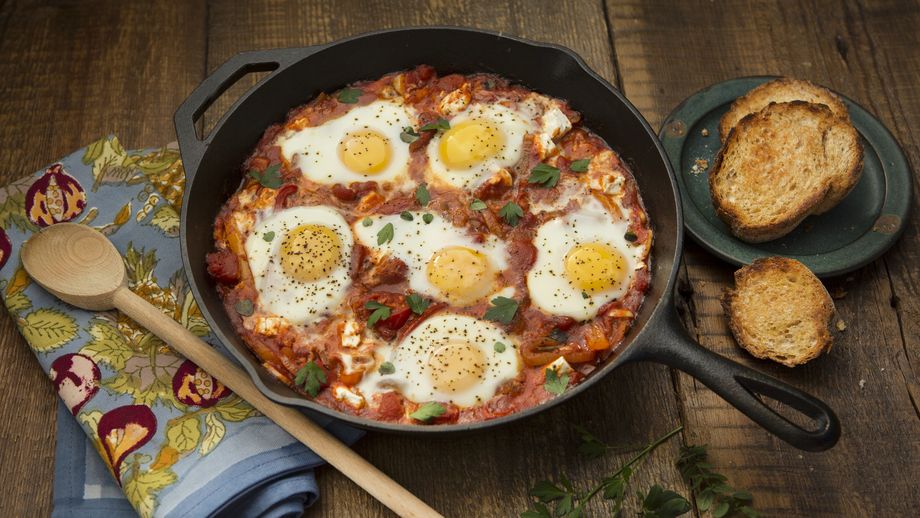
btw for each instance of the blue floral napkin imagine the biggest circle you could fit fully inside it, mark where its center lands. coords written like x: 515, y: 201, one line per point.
x: 140, y: 428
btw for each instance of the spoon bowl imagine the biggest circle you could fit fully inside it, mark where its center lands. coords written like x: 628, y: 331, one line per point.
x: 76, y: 263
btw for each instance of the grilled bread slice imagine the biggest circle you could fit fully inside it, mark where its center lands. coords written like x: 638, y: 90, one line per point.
x: 779, y: 311
x: 779, y: 91
x: 781, y: 164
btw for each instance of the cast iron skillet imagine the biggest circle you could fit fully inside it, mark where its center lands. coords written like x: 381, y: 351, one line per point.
x: 212, y: 167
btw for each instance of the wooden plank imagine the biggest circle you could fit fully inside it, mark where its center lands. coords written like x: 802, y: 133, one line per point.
x: 69, y: 73
x: 487, y: 474
x: 666, y: 51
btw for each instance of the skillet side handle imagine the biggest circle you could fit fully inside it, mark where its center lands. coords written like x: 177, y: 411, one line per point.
x: 190, y: 111
x: 739, y: 385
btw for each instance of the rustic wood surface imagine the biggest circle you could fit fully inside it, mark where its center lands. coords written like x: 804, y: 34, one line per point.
x: 72, y: 71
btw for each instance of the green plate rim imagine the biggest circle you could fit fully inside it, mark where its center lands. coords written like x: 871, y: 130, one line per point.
x: 898, y: 190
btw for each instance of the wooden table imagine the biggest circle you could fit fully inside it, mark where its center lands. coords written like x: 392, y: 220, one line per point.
x: 72, y: 71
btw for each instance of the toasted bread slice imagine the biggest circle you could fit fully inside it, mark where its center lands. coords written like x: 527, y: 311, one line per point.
x: 779, y: 91
x: 781, y: 164
x: 779, y: 311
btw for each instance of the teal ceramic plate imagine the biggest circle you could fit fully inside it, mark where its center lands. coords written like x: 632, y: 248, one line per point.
x: 855, y: 232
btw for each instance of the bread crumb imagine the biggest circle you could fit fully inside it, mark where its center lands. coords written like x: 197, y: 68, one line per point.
x: 704, y: 132
x: 700, y: 165
x: 862, y: 384
x: 841, y: 325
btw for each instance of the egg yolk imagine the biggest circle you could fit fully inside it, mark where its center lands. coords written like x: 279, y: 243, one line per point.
x: 310, y: 252
x: 365, y: 152
x: 456, y: 366
x: 469, y: 143
x: 462, y: 274
x: 595, y: 267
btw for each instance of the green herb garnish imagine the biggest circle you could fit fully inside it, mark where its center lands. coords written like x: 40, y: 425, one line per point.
x: 711, y: 490
x: 386, y: 368
x: 555, y: 384
x: 408, y: 135
x: 367, y: 222
x: 500, y: 347
x: 502, y: 310
x: 417, y: 303
x: 268, y: 236
x: 349, y: 95
x: 427, y: 218
x: 630, y: 236
x: 477, y: 205
x: 385, y: 235
x: 427, y: 412
x: 545, y: 175
x: 244, y: 307
x: 511, y: 213
x: 406, y: 215
x: 378, y: 312
x: 438, y: 125
x: 422, y: 196
x: 564, y: 499
x: 269, y: 178
x: 580, y: 166
x: 311, y: 377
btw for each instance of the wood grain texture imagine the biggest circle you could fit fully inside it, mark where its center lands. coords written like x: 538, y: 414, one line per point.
x: 487, y: 474
x: 667, y: 51
x: 71, y: 72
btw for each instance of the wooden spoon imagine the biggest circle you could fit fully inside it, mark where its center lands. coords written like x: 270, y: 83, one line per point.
x: 82, y: 267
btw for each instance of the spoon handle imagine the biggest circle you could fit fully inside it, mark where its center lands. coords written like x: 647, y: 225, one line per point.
x: 352, y: 465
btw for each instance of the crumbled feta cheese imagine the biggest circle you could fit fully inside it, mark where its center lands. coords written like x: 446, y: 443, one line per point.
x: 351, y: 334
x: 560, y: 366
x: 344, y: 394
x: 455, y: 101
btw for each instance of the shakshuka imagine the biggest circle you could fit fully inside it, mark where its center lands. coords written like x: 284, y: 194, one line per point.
x: 425, y: 249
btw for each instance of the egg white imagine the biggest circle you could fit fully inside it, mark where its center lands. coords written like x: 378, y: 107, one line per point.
x: 299, y: 302
x: 549, y: 288
x: 512, y: 124
x: 410, y: 357
x: 315, y: 149
x: 415, y: 242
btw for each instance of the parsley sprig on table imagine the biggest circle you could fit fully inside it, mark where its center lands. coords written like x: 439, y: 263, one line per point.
x: 563, y: 499
x: 712, y: 492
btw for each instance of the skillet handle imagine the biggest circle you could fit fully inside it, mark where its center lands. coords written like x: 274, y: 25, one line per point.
x: 226, y: 75
x: 670, y: 344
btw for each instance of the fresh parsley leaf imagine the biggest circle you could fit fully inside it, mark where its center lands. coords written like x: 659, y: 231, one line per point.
x: 406, y: 215
x: 591, y: 446
x: 664, y: 503
x: 427, y: 412
x: 408, y: 135
x: 500, y: 347
x: 386, y: 368
x: 502, y: 310
x: 438, y: 125
x: 378, y: 312
x: 422, y: 196
x: 385, y: 235
x: 511, y: 212
x: 478, y: 205
x: 311, y: 377
x: 417, y: 303
x: 349, y: 95
x: 427, y: 218
x: 545, y: 175
x: 367, y: 222
x: 559, y: 335
x: 580, y: 166
x: 713, y: 493
x: 244, y: 307
x: 555, y: 384
x: 545, y: 491
x: 268, y: 236
x: 269, y: 178
x: 630, y: 236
